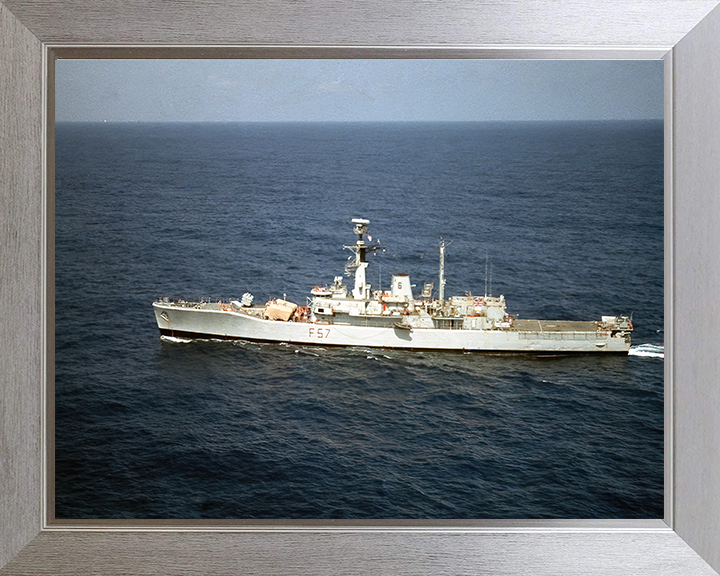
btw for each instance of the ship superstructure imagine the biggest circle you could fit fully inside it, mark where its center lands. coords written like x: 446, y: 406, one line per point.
x: 357, y: 315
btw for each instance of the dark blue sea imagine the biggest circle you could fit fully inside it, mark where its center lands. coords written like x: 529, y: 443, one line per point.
x: 568, y: 218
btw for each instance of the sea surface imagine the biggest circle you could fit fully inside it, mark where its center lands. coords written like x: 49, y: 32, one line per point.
x: 563, y: 219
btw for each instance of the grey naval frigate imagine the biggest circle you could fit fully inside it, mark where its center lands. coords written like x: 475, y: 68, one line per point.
x: 357, y: 315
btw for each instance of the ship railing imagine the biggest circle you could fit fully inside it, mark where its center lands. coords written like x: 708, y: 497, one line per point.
x: 200, y: 304
x: 452, y: 323
x: 560, y: 335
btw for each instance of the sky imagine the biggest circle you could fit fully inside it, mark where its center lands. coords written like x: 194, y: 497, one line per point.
x: 356, y: 90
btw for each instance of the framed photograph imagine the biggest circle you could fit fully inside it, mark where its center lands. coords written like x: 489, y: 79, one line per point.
x: 681, y: 541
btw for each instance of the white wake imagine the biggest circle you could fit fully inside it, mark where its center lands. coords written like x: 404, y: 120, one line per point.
x: 174, y: 339
x: 648, y: 350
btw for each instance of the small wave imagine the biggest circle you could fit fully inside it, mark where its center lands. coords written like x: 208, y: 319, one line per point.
x: 378, y: 357
x: 175, y: 339
x: 307, y: 352
x: 648, y: 350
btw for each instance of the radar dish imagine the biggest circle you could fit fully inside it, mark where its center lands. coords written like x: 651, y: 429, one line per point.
x: 361, y: 226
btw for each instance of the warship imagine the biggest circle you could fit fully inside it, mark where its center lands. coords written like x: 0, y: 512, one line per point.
x: 356, y: 315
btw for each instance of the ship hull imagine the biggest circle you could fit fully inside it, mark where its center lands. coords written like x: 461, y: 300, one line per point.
x: 184, y: 322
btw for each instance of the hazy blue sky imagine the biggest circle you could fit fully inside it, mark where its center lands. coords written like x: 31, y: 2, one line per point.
x: 356, y: 90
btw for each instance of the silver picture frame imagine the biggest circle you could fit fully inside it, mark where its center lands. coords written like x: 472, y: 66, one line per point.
x: 684, y: 33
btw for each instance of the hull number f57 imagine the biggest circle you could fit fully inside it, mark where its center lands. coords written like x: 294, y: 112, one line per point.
x: 318, y: 332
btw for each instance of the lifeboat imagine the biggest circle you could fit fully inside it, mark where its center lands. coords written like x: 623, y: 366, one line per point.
x: 320, y: 291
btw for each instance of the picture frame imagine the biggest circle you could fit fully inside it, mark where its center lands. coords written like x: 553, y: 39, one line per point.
x: 686, y: 34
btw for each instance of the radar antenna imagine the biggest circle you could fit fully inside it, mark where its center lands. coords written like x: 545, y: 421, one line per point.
x: 360, y: 249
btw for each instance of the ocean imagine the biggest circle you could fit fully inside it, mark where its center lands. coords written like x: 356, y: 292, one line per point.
x: 565, y: 219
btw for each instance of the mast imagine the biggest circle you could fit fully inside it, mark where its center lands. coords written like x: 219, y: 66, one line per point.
x: 360, y: 229
x: 441, y: 285
x: 486, y: 273
x: 360, y: 263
